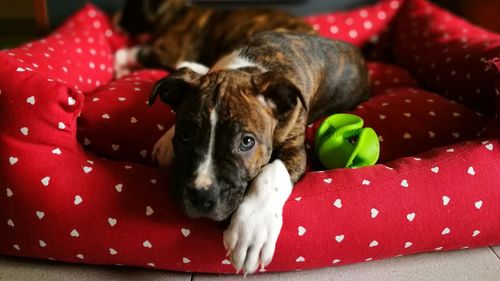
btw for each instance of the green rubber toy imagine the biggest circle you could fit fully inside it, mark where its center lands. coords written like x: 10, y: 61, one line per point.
x: 342, y: 142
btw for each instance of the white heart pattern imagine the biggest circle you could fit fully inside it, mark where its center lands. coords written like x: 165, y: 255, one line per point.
x: 20, y: 69
x: 335, y: 261
x: 31, y: 100
x: 160, y: 127
x: 57, y: 151
x: 328, y: 180
x: 374, y: 243
x: 301, y: 230
x: 339, y: 238
x: 338, y: 203
x: 149, y: 211
x: 471, y: 171
x: 374, y: 213
x: 133, y: 120
x: 226, y: 262
x: 42, y: 243
x: 147, y: 244
x: 186, y: 260
x: 410, y: 216
x: 61, y: 126
x: 87, y: 169
x: 408, y: 245
x: 112, y: 251
x: 40, y: 214
x: 24, y: 131
x: 10, y: 223
x: 115, y: 147
x: 446, y: 200
x: 475, y: 233
x: 80, y: 256
x: 106, y: 116
x: 119, y: 187
x: 45, y: 181
x: 15, y: 246
x: 185, y: 232
x: 9, y: 192
x: 112, y: 221
x: 144, y: 153
x: 489, y: 146
x: 435, y: 170
x: 300, y: 259
x: 432, y: 134
x: 446, y: 231
x: 78, y: 200
x: 478, y: 204
x: 407, y: 136
x: 74, y: 233
x: 366, y: 182
x: 13, y: 160
x: 404, y: 183
x: 71, y: 101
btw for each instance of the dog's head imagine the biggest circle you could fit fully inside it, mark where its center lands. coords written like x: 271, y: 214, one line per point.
x: 143, y: 16
x: 224, y: 135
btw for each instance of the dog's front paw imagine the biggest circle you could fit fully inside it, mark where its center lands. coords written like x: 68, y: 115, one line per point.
x: 255, y: 226
x: 163, y: 150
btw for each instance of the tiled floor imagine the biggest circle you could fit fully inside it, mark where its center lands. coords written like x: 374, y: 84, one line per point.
x: 477, y: 264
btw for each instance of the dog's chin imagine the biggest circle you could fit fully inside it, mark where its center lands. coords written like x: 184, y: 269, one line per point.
x: 218, y: 214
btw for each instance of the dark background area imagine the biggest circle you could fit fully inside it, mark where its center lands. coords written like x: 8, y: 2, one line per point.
x: 18, y: 22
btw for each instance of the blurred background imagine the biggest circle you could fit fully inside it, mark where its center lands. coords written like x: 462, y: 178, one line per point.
x: 22, y: 20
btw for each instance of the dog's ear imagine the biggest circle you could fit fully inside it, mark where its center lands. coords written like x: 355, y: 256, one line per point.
x: 174, y: 88
x: 279, y: 93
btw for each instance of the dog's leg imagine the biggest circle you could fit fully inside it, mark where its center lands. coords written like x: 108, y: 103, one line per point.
x: 125, y: 61
x: 194, y: 66
x: 163, y: 150
x: 255, y: 226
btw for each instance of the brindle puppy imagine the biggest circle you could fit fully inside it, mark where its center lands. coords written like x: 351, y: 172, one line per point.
x: 242, y: 125
x: 180, y: 32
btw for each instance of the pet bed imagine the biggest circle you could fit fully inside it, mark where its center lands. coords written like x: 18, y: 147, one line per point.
x: 77, y: 184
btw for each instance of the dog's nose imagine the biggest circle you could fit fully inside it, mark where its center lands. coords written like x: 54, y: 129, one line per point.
x: 203, y: 199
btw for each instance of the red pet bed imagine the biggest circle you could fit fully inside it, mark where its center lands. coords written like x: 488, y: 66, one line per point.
x: 77, y: 184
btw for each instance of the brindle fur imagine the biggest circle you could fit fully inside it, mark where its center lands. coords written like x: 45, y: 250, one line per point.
x: 306, y: 77
x: 180, y: 32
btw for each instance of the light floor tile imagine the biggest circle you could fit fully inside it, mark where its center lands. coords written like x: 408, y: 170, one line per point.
x: 17, y: 269
x: 475, y: 264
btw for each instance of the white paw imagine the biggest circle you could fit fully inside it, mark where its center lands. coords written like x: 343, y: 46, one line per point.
x: 163, y: 150
x: 255, y: 226
x: 125, y: 60
x: 196, y: 67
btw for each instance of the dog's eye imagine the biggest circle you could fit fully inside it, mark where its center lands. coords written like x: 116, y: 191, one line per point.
x: 247, y: 143
x: 184, y: 136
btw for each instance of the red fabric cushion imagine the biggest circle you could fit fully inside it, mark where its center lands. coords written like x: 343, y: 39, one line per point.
x: 447, y: 54
x: 59, y: 200
x: 358, y: 26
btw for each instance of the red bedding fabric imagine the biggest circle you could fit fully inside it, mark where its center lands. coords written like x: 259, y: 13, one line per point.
x: 77, y: 185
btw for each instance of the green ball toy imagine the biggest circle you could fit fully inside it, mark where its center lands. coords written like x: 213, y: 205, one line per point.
x: 342, y: 142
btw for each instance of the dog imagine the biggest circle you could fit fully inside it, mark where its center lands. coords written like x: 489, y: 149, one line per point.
x: 238, y: 142
x: 181, y: 32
